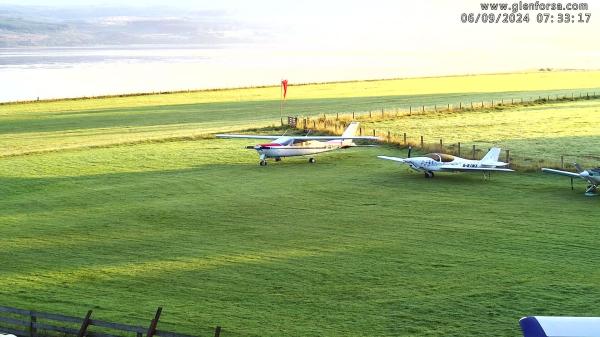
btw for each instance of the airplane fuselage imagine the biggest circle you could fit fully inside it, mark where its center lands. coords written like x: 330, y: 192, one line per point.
x: 431, y: 165
x: 275, y: 150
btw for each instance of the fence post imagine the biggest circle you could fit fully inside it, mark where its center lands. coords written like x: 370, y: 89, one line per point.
x: 460, y: 105
x: 381, y: 112
x: 441, y: 145
x: 423, y: 108
x: 421, y: 142
x: 369, y: 113
x: 405, y: 138
x: 352, y: 115
x: 32, y: 324
x: 562, y: 161
x: 84, y: 324
x: 448, y: 106
x: 471, y: 105
x: 435, y: 107
x: 360, y: 131
x: 389, y: 136
x: 482, y: 104
x: 218, y: 331
x: 473, y: 152
x: 153, y: 323
x: 492, y: 103
x: 373, y: 132
x: 337, y: 116
x: 508, y: 156
x: 410, y: 110
x: 459, y: 149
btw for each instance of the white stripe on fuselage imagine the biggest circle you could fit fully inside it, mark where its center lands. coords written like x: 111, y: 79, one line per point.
x: 300, y: 149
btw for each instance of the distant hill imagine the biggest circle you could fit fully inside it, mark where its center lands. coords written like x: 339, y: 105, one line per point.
x: 50, y: 27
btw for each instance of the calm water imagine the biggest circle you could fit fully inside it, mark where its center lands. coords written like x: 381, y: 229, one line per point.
x: 32, y: 73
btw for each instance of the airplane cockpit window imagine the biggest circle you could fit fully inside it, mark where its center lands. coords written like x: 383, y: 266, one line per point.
x: 446, y: 158
x: 284, y: 141
x: 595, y: 171
x: 434, y: 156
x: 440, y: 157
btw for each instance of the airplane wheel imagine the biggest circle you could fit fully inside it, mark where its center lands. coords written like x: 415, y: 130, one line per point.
x: 432, y: 175
x: 311, y: 160
x: 277, y: 159
x: 428, y: 174
x: 262, y: 163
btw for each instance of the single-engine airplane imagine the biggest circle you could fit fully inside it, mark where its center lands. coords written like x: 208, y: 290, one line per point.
x: 289, y: 146
x: 592, y: 176
x: 441, y: 162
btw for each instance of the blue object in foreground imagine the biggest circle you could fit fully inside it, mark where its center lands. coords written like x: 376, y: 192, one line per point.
x: 551, y: 326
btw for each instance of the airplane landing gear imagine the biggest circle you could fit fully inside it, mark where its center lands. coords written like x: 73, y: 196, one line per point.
x: 278, y: 159
x: 429, y: 174
x: 262, y: 162
x: 311, y: 160
x: 591, y: 191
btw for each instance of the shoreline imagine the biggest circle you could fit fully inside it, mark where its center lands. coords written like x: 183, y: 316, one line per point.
x: 172, y: 92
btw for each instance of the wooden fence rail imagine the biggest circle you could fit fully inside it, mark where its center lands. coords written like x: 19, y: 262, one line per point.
x: 25, y: 323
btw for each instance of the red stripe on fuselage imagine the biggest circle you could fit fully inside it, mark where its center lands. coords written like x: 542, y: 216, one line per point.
x: 269, y: 145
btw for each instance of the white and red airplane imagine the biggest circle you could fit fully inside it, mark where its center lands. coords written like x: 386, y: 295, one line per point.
x: 289, y: 146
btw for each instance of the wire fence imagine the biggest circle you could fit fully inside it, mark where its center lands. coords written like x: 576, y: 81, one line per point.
x: 336, y: 123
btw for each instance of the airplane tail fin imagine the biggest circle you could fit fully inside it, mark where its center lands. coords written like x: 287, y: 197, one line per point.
x: 350, y: 132
x: 491, y: 158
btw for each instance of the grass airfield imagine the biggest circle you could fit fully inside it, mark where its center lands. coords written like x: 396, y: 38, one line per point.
x: 349, y: 246
x: 106, y: 216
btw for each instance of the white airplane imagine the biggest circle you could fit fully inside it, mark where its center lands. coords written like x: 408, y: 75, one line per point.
x: 592, y: 176
x: 289, y: 146
x: 440, y: 162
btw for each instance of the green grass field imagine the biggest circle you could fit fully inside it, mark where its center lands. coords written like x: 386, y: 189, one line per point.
x: 123, y: 204
x: 535, y: 135
x: 71, y: 124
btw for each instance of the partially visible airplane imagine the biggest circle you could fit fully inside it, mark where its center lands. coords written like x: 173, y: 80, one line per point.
x: 289, y: 146
x: 440, y: 162
x: 592, y: 176
x: 556, y: 326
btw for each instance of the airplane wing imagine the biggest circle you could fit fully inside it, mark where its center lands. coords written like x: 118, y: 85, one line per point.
x: 301, y: 138
x: 247, y: 136
x: 401, y: 160
x: 333, y: 137
x: 562, y: 173
x: 450, y: 168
